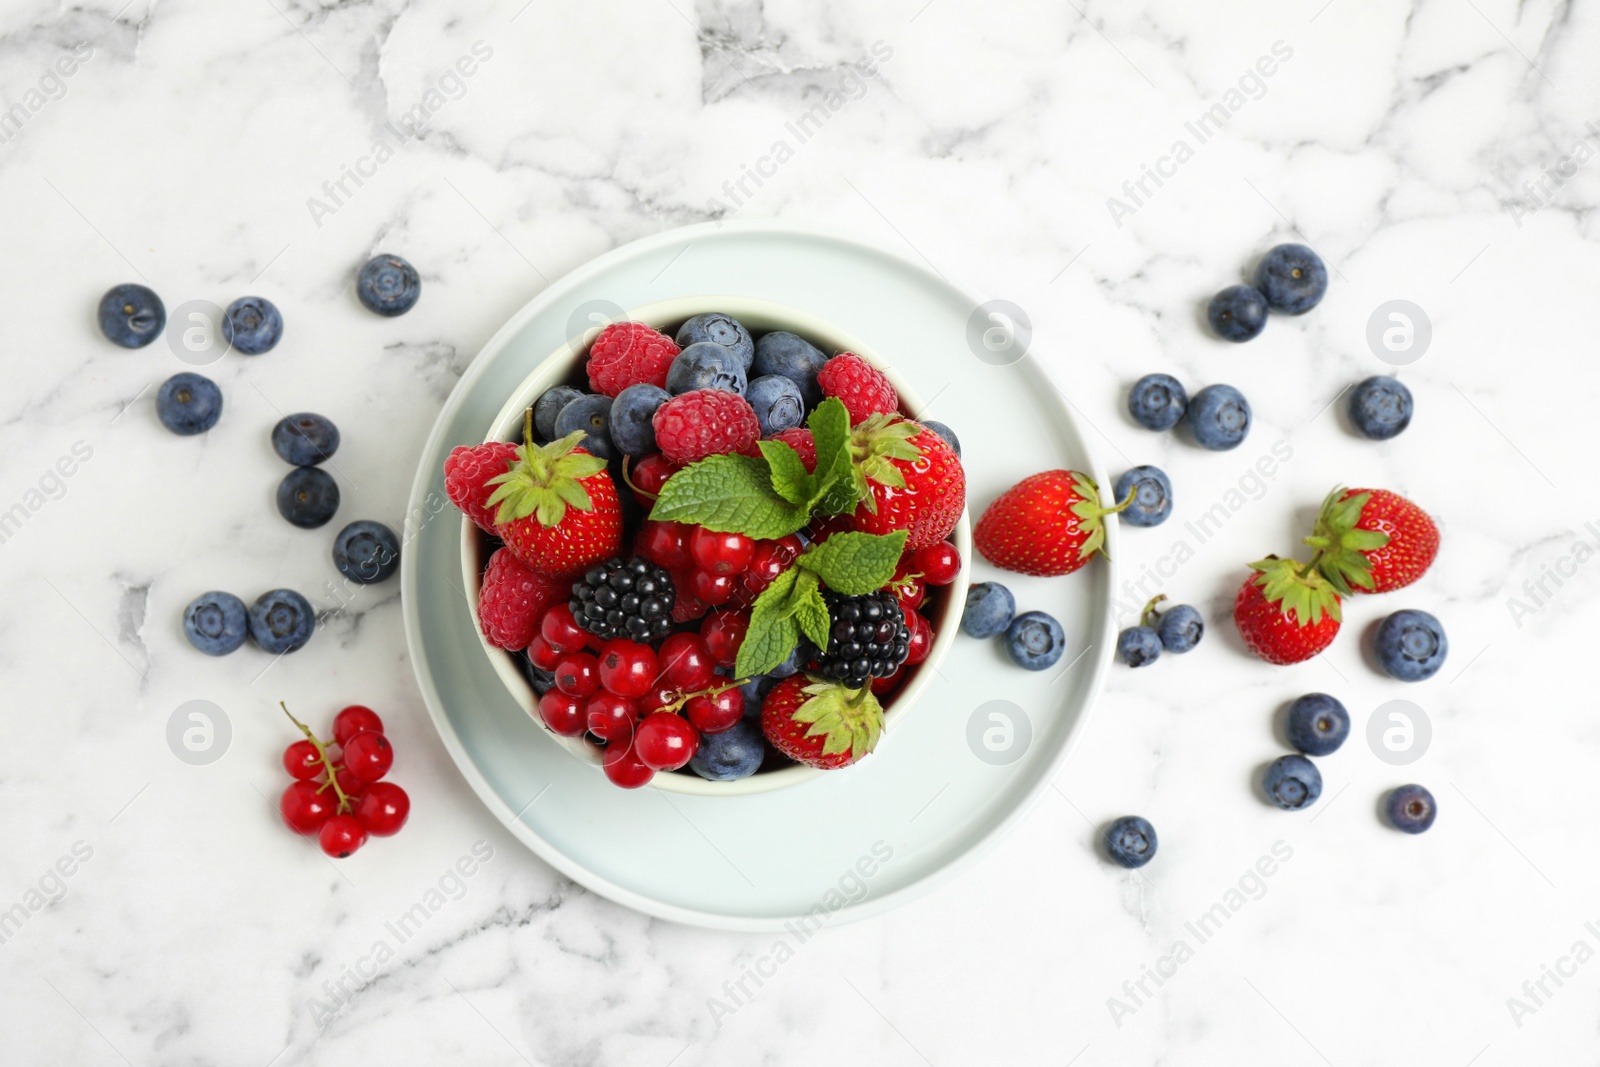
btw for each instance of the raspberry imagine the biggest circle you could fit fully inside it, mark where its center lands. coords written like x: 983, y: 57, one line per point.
x: 628, y: 353
x: 706, y: 422
x: 859, y: 385
x: 466, y: 478
x: 513, y: 599
x: 800, y: 439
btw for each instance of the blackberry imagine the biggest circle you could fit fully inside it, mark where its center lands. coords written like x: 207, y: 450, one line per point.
x: 868, y: 638
x: 630, y: 598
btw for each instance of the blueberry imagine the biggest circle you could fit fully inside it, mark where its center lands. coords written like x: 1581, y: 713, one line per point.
x: 778, y: 403
x: 1157, y: 401
x: 732, y: 754
x: 1138, y: 646
x: 252, y: 325
x: 1180, y: 628
x: 725, y: 331
x: 1238, y: 313
x: 216, y: 623
x: 1292, y: 279
x: 1411, y: 808
x: 388, y: 285
x: 189, y: 403
x: 755, y: 693
x: 132, y: 315
x: 1131, y: 841
x: 1152, y: 496
x: 590, y: 413
x: 1380, y: 407
x: 945, y: 432
x: 1411, y: 645
x: 705, y: 366
x: 548, y: 406
x: 308, y: 497
x: 1219, y: 417
x: 1292, y: 782
x: 1035, y: 640
x: 793, y: 357
x: 366, y: 552
x: 542, y: 680
x: 1318, y: 724
x: 989, y: 610
x: 630, y: 425
x: 787, y: 667
x: 305, y: 438
x: 281, y: 621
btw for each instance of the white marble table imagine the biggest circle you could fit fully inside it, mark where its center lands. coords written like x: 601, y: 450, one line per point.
x: 1439, y: 154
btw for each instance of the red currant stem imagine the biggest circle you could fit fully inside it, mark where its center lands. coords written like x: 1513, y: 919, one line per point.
x: 345, y: 803
x: 716, y: 690
x: 527, y: 430
x: 629, y: 481
x: 1150, y: 612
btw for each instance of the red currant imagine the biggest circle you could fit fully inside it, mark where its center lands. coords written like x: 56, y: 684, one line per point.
x: 880, y: 686
x: 353, y: 720
x: 578, y: 674
x: 305, y: 807
x: 665, y: 742
x: 921, y: 638
x: 611, y: 717
x: 658, y: 697
x: 714, y: 714
x: 623, y: 766
x: 649, y: 474
x: 302, y: 761
x: 686, y: 662
x: 341, y: 835
x: 939, y: 564
x: 563, y: 713
x: 665, y: 544
x: 687, y: 607
x: 383, y: 809
x: 911, y: 592
x: 348, y: 782
x: 561, y: 631
x: 368, y: 756
x: 720, y: 553
x: 541, y: 655
x: 711, y: 588
x: 627, y: 668
x: 724, y: 632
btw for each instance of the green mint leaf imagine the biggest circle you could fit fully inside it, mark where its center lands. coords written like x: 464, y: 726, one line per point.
x: 789, y: 477
x: 811, y: 612
x: 837, y: 488
x: 773, y: 632
x: 728, y: 493
x: 855, y: 563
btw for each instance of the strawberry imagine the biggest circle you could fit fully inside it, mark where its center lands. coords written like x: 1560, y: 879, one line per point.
x: 558, y: 508
x: 466, y: 478
x: 1287, y: 612
x: 1047, y: 524
x: 1372, y: 541
x: 513, y: 599
x: 821, y: 724
x: 908, y: 477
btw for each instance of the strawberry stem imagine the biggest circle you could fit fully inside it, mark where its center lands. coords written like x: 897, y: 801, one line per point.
x: 527, y: 429
x: 345, y: 803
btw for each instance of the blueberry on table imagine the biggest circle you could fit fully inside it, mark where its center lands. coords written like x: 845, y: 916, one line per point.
x: 1411, y: 645
x: 1380, y: 407
x: 631, y: 415
x: 1131, y: 841
x: 189, y: 403
x: 1157, y: 401
x: 548, y: 406
x: 1238, y: 313
x: 216, y: 623
x: 591, y: 413
x: 366, y: 552
x: 388, y: 285
x: 777, y: 403
x: 725, y: 331
x: 1292, y: 278
x: 308, y: 497
x: 1411, y: 809
x: 989, y: 609
x: 795, y: 358
x: 1292, y: 782
x: 945, y: 432
x: 131, y: 315
x: 1035, y: 641
x: 731, y: 754
x: 281, y: 621
x: 252, y: 325
x: 1318, y: 724
x: 706, y: 366
x: 1138, y: 646
x: 1219, y: 418
x: 1152, y: 496
x: 1180, y: 628
x: 305, y: 439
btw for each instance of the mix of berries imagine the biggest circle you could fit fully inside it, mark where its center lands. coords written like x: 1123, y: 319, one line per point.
x: 338, y: 792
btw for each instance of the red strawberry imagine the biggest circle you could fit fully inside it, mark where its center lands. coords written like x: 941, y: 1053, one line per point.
x: 860, y: 386
x: 1372, y: 541
x: 627, y: 353
x: 799, y: 438
x: 1287, y: 612
x: 558, y: 506
x: 909, y: 479
x: 821, y: 724
x: 466, y: 478
x: 514, y: 598
x: 1047, y: 524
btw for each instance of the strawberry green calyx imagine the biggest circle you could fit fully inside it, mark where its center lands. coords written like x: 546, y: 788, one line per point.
x: 1090, y: 513
x: 1150, y: 616
x: 545, y: 480
x: 1341, y: 548
x: 874, y: 442
x: 850, y: 719
x: 1297, y: 589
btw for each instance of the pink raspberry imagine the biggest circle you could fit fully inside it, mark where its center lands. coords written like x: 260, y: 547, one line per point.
x: 514, y: 598
x: 859, y: 385
x: 799, y: 438
x: 627, y: 353
x: 706, y: 422
x: 466, y: 478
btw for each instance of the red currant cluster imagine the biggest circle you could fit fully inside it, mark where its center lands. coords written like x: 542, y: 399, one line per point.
x: 337, y: 793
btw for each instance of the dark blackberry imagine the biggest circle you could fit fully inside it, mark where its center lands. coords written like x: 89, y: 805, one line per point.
x: 868, y: 638
x: 630, y: 598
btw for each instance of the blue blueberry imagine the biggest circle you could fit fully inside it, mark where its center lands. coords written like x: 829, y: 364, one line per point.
x: 1292, y: 279
x: 1152, y: 496
x: 366, y: 552
x: 793, y: 357
x: 787, y: 667
x: 945, y: 432
x: 1411, y: 645
x: 1180, y: 628
x: 778, y: 403
x: 305, y: 438
x: 1380, y: 407
x: 706, y: 366
x: 755, y: 694
x: 308, y: 497
x: 252, y: 325
x: 1131, y: 841
x: 132, y: 315
x: 542, y: 680
x: 1219, y: 417
x: 1292, y: 782
x: 281, y: 621
x: 1138, y: 646
x: 990, y: 608
x: 725, y: 331
x: 1238, y: 313
x: 590, y: 413
x: 734, y: 753
x: 630, y: 425
x: 1035, y: 641
x: 548, y: 406
x: 216, y: 623
x: 388, y: 285
x: 1318, y: 724
x: 1157, y: 401
x: 1411, y: 808
x: 189, y: 403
